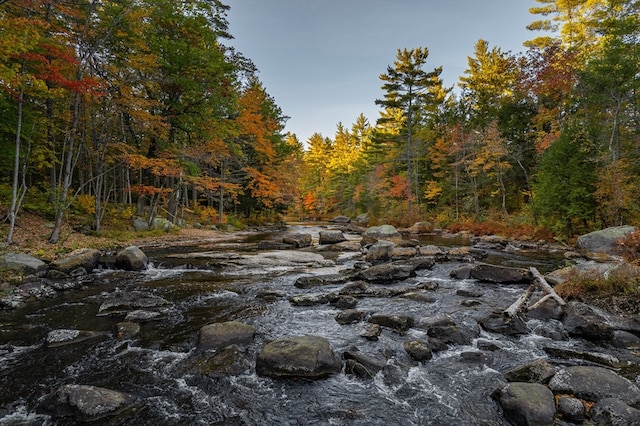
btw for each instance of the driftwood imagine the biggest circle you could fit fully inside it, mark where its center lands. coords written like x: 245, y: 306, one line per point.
x: 538, y: 281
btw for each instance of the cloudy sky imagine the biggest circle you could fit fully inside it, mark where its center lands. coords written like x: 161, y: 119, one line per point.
x: 321, y: 59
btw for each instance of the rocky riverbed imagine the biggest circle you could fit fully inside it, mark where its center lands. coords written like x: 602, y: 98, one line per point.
x: 313, y: 325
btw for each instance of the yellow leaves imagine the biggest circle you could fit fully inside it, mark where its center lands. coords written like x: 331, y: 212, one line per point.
x: 433, y: 190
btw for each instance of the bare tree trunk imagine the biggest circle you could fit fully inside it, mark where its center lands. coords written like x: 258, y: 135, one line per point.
x: 13, y: 210
x: 61, y: 197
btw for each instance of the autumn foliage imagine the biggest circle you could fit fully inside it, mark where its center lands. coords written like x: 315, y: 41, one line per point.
x: 141, y: 106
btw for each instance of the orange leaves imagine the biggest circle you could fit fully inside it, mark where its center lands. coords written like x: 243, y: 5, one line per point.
x: 255, y: 125
x: 149, y: 189
x: 168, y: 167
x: 262, y: 187
x: 399, y: 187
x: 309, y: 202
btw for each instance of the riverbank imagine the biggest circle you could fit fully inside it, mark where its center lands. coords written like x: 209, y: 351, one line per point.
x: 32, y: 232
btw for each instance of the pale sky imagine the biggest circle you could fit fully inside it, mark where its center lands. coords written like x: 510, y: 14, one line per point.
x: 321, y: 59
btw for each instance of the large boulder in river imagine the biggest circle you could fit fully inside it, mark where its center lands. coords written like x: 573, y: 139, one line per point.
x: 382, y: 232
x: 298, y: 356
x: 581, y: 320
x: 526, y: 403
x: 86, y: 258
x: 614, y: 412
x: 132, y: 259
x: 340, y: 219
x: 298, y: 240
x: 381, y: 251
x: 331, y: 237
x: 23, y: 264
x: 603, y: 241
x: 594, y: 384
x: 87, y: 403
x: 217, y: 336
x: 388, y: 272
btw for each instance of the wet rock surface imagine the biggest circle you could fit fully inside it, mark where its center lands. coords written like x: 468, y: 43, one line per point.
x: 298, y: 356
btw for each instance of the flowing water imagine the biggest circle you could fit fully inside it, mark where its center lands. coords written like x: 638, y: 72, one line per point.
x: 452, y: 388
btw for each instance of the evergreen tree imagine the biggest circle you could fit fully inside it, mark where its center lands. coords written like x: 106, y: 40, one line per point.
x: 409, y: 88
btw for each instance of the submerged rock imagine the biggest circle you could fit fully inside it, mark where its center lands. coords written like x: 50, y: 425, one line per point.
x: 218, y: 335
x: 119, y: 301
x: 362, y: 365
x: 538, y: 371
x: 88, y: 403
x: 298, y: 356
x: 62, y: 337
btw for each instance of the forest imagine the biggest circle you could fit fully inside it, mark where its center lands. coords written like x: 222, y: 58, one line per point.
x: 111, y: 110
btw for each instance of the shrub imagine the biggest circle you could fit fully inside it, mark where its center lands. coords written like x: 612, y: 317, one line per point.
x: 630, y: 246
x: 624, y: 280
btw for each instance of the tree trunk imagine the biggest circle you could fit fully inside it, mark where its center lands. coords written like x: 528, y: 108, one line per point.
x: 13, y: 210
x: 61, y: 197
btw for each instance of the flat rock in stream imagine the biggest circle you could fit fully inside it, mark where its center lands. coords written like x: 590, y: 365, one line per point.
x: 388, y: 272
x: 331, y: 237
x: 537, y: 371
x: 283, y: 258
x: 87, y: 403
x: 320, y: 280
x: 594, y: 384
x: 500, y: 274
x: 399, y: 323
x: 217, y: 336
x: 119, y: 301
x: 63, y: 337
x: 298, y: 356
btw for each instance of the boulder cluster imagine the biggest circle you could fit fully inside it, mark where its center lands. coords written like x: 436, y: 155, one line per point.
x: 37, y: 279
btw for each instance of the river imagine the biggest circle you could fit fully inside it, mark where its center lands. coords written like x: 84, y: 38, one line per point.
x: 156, y: 365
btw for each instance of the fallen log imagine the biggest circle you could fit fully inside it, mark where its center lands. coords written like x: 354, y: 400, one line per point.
x: 538, y: 282
x: 538, y: 278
